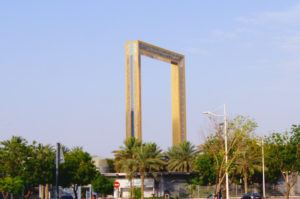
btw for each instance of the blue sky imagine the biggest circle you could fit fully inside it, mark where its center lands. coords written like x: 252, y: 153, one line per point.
x: 62, y: 76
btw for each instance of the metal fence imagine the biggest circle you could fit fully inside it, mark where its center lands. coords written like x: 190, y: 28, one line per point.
x: 238, y: 190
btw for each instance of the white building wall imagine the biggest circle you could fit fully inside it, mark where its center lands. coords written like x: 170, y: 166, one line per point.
x: 124, y: 188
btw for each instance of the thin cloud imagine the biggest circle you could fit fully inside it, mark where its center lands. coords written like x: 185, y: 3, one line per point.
x: 291, y: 65
x: 221, y: 34
x: 197, y: 51
x: 289, y: 16
x: 291, y: 43
x: 279, y: 65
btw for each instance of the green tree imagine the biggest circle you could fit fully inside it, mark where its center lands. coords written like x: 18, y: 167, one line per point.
x: 282, y: 151
x: 182, y: 157
x: 103, y: 185
x: 149, y: 160
x: 295, y: 140
x: 11, y: 185
x: 78, y: 169
x: 111, y: 165
x: 249, y: 159
x: 237, y: 129
x: 41, y: 167
x: 137, y: 193
x: 18, y: 159
x: 206, y: 167
x: 14, y: 153
x: 44, y: 157
x: 125, y: 160
x: 295, y: 135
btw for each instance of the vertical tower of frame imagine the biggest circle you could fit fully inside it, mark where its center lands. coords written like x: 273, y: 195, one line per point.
x: 178, y: 102
x: 133, y: 90
x: 133, y: 52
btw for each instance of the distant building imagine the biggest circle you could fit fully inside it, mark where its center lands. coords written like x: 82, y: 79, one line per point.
x: 101, y: 164
x: 171, y: 183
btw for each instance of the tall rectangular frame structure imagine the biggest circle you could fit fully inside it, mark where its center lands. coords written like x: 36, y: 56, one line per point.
x: 133, y: 52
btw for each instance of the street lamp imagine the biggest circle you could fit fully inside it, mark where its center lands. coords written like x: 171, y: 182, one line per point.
x: 263, y: 167
x: 225, y: 138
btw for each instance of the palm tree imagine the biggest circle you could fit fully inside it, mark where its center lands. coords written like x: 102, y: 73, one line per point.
x: 149, y: 159
x: 181, y: 158
x: 14, y: 153
x: 125, y: 160
x: 45, y: 156
x: 249, y: 160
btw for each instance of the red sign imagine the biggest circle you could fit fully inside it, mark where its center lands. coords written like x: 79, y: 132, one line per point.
x: 116, y: 184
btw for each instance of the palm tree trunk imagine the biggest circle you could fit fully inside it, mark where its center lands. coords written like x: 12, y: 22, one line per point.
x: 42, y: 191
x: 245, y: 179
x: 131, y: 189
x: 142, y: 184
x: 47, y: 191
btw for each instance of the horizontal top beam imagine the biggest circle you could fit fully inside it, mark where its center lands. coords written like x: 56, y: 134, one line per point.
x: 158, y: 53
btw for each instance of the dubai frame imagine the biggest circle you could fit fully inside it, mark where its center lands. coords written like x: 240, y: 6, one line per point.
x: 133, y: 52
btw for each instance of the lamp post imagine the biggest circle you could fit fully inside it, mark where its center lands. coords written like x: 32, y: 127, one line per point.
x: 263, y: 167
x: 226, y: 152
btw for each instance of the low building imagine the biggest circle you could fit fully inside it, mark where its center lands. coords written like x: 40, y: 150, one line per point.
x: 171, y: 183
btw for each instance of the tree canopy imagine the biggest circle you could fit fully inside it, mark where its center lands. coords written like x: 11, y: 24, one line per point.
x: 182, y: 157
x: 10, y: 185
x: 24, y: 166
x: 283, y: 155
x: 78, y: 169
x: 31, y: 164
x: 125, y: 160
x: 102, y: 185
